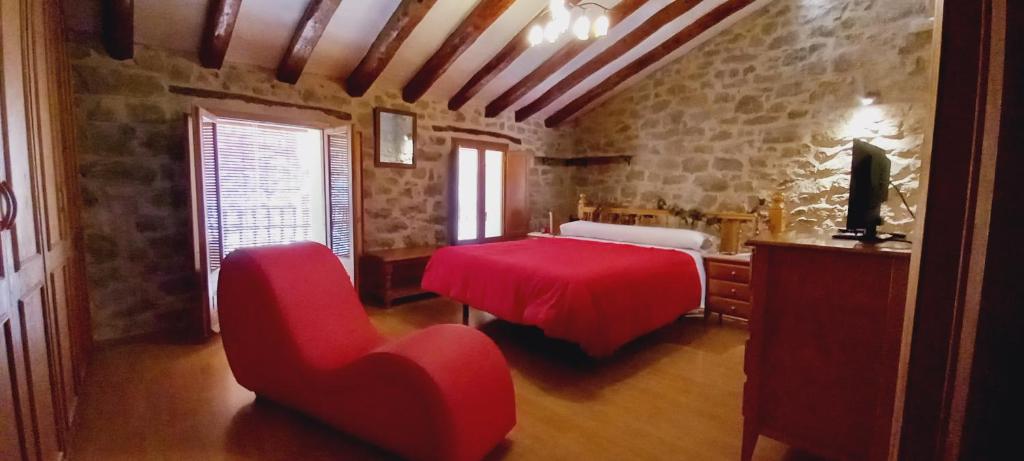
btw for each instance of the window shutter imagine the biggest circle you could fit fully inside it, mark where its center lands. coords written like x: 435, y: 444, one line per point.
x: 340, y: 200
x: 211, y: 203
x: 517, y: 196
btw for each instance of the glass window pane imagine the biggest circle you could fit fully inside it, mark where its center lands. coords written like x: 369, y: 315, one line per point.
x: 270, y: 186
x: 467, y: 193
x: 493, y: 197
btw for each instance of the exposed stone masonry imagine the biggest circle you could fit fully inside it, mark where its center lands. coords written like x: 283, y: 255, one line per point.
x: 772, y: 101
x: 134, y: 148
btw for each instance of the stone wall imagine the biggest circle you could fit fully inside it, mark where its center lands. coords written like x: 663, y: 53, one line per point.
x: 772, y: 101
x: 133, y: 152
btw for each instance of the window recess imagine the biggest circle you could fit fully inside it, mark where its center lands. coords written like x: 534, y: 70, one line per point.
x: 263, y: 182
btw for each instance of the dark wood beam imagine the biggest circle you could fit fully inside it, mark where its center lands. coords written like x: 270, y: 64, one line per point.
x: 483, y: 15
x: 669, y: 13
x: 220, y: 23
x: 556, y: 61
x: 119, y: 28
x: 476, y: 132
x: 585, y: 161
x: 227, y: 95
x: 307, y: 34
x: 405, y: 18
x: 512, y: 50
x: 668, y: 46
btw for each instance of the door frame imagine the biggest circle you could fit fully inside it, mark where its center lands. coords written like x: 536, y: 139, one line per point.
x: 959, y: 314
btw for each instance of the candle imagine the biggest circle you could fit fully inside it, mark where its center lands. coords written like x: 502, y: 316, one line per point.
x: 551, y: 222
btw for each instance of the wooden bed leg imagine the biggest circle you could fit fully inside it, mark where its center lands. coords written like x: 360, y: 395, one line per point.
x: 465, y: 314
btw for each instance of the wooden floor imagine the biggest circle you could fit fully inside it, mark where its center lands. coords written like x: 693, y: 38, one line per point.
x: 673, y: 395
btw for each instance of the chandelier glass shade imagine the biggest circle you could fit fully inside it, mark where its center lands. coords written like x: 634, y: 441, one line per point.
x: 560, y: 19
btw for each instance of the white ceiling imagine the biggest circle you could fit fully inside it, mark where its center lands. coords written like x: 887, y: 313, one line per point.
x: 265, y: 27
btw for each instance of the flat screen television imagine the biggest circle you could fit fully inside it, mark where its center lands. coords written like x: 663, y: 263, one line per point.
x: 869, y: 188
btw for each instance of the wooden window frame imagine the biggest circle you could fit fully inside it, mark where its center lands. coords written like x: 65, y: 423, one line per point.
x: 453, y: 204
x: 203, y: 327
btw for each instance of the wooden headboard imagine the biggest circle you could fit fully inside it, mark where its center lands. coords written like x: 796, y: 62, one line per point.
x: 622, y: 215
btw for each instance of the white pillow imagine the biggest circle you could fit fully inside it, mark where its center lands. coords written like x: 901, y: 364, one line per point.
x: 655, y: 236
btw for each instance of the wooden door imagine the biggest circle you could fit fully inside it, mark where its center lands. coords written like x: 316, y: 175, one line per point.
x: 52, y: 174
x: 33, y: 313
x: 517, y: 195
x: 12, y: 382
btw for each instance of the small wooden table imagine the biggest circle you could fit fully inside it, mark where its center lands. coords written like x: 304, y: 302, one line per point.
x: 389, y: 275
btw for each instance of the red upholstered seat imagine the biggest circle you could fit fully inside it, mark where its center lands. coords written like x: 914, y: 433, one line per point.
x: 295, y: 333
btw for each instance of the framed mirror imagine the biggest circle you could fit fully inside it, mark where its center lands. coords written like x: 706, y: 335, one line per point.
x: 394, y: 132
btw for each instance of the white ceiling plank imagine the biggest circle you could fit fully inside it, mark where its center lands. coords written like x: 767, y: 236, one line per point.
x: 265, y: 27
x: 349, y: 35
x: 263, y: 31
x: 176, y: 25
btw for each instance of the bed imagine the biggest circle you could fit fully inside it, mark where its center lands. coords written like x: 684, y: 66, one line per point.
x: 598, y: 294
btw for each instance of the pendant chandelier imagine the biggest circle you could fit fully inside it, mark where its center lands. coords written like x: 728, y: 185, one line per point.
x: 560, y: 18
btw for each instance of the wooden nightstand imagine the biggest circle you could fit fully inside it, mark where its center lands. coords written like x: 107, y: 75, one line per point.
x: 387, y: 275
x: 728, y: 285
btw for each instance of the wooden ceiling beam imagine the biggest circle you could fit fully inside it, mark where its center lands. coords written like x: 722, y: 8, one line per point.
x: 220, y: 23
x: 701, y: 25
x: 669, y: 13
x: 119, y: 28
x: 405, y: 18
x: 311, y: 27
x: 512, y: 50
x: 556, y: 61
x: 483, y: 15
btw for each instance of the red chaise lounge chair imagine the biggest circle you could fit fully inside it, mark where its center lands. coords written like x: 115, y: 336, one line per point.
x: 295, y: 333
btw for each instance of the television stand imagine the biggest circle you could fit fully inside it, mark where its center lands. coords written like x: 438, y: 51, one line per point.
x: 869, y: 236
x: 839, y: 306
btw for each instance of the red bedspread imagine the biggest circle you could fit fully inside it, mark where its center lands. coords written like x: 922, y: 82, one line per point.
x: 598, y: 295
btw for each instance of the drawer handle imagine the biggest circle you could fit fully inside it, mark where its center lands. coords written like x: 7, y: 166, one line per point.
x: 733, y: 273
x: 732, y: 308
x: 732, y: 290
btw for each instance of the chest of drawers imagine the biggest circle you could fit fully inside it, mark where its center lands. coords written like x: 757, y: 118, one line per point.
x: 728, y: 285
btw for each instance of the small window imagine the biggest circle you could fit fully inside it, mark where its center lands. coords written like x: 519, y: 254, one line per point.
x: 479, y: 195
